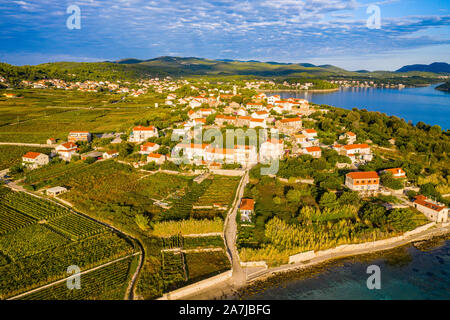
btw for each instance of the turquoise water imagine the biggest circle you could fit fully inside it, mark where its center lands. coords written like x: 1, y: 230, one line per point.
x: 416, y: 104
x: 406, y: 273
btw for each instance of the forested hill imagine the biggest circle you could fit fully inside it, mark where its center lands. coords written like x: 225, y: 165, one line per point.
x: 436, y: 67
x: 444, y: 87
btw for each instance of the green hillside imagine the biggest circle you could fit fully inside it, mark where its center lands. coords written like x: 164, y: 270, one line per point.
x: 131, y: 69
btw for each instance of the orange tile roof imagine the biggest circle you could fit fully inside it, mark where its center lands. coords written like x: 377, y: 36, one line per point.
x: 351, y: 134
x: 247, y: 204
x: 142, y: 128
x: 154, y: 155
x: 422, y: 200
x: 69, y: 145
x: 363, y: 175
x: 313, y: 149
x: 310, y: 130
x: 396, y: 171
x: 290, y: 120
x: 356, y: 146
x: 32, y: 155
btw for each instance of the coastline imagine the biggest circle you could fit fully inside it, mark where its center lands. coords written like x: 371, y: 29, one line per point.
x: 300, y: 90
x: 229, y: 291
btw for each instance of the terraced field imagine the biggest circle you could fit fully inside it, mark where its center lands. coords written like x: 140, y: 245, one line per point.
x: 39, y: 240
x: 109, y: 283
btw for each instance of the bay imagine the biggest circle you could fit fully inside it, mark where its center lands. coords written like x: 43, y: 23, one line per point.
x: 424, y: 104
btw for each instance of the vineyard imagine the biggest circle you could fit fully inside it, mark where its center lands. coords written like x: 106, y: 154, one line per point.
x: 174, y: 274
x: 40, y: 239
x: 220, y: 191
x: 107, y: 283
x: 202, y: 265
x: 12, y: 155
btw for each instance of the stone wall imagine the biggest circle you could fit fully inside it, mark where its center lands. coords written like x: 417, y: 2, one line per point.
x: 196, y: 287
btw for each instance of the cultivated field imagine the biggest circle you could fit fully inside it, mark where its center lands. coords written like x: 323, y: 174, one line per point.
x: 39, y: 240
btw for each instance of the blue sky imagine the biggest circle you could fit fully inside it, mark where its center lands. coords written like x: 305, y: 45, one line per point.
x: 315, y: 31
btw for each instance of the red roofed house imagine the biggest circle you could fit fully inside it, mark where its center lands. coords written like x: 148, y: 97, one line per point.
x: 141, y: 133
x: 357, y: 152
x: 433, y: 210
x: 32, y: 160
x: 396, y: 172
x: 316, y: 152
x: 66, y: 150
x: 311, y: 134
x: 149, y: 147
x: 362, y: 181
x: 271, y: 149
x: 350, y: 136
x: 246, y: 208
x: 221, y: 119
x: 110, y: 154
x: 79, y: 136
x: 289, y: 125
x: 156, y: 157
x: 260, y: 114
x: 257, y: 123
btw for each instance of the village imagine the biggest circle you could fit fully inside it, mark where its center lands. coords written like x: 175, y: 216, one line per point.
x: 284, y: 136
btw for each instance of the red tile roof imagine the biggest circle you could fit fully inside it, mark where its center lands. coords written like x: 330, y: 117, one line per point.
x: 32, y: 155
x: 363, y: 175
x: 142, y: 128
x: 423, y: 201
x: 247, y: 204
x: 356, y: 146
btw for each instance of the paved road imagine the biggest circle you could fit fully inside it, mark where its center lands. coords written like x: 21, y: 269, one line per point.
x: 230, y: 233
x: 36, y: 145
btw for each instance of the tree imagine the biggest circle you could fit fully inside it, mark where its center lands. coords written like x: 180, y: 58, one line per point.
x: 374, y: 213
x: 142, y: 222
x: 328, y: 200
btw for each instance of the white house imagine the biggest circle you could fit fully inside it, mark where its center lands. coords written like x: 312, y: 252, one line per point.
x: 433, y: 210
x: 156, y: 157
x: 271, y: 149
x: 246, y: 208
x: 350, y: 136
x: 141, y: 133
x: 66, y: 150
x: 33, y: 160
x: 316, y: 152
x: 110, y: 154
x: 149, y: 147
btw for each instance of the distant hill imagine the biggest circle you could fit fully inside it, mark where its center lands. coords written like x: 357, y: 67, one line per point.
x: 130, y: 68
x: 436, y: 67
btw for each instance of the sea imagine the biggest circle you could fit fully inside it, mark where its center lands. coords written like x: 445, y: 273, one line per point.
x: 424, y: 104
x: 413, y: 272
